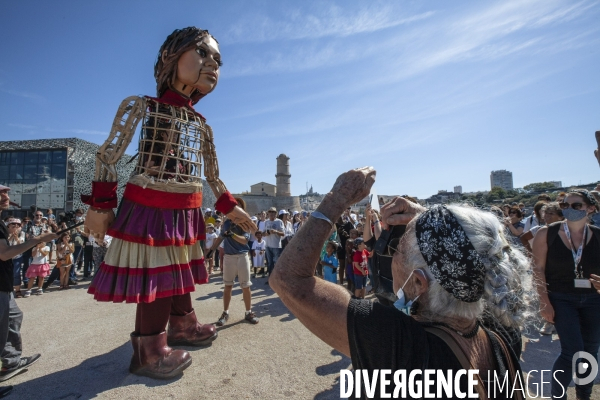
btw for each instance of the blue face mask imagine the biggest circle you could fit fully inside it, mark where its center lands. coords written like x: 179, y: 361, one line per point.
x: 574, y: 215
x: 401, y: 303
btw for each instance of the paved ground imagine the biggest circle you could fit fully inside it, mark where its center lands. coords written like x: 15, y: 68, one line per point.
x: 86, y: 351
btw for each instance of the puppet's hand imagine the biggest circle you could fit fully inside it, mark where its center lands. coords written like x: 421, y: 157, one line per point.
x: 97, y: 222
x: 242, y: 219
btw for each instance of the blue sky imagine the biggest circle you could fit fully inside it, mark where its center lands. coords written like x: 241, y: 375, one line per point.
x: 432, y: 94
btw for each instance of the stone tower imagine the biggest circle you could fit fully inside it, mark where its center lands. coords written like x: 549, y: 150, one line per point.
x: 283, y: 176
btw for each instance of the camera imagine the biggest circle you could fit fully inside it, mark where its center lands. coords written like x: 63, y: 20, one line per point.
x: 67, y: 217
x: 385, y: 247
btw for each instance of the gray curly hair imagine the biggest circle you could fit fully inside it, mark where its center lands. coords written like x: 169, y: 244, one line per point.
x: 508, y: 294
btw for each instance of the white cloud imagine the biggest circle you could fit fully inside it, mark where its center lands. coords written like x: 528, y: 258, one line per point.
x: 331, y: 21
x: 26, y: 95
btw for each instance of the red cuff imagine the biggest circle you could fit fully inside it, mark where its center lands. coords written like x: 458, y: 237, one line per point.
x: 104, y: 195
x: 225, y: 203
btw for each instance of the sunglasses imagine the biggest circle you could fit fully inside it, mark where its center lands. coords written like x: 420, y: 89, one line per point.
x: 14, y: 224
x: 574, y: 206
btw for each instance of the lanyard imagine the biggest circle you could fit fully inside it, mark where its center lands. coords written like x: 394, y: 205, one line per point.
x: 576, y: 255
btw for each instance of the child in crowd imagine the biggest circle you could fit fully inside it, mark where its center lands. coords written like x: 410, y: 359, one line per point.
x: 329, y: 262
x: 258, y: 253
x: 64, y: 249
x: 360, y: 267
x: 39, y: 268
x: 15, y: 237
x: 210, y: 239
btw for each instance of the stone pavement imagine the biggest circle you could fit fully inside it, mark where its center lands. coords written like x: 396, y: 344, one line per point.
x: 86, y: 351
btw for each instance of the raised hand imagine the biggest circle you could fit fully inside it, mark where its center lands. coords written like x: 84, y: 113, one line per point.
x: 353, y: 186
x: 399, y: 212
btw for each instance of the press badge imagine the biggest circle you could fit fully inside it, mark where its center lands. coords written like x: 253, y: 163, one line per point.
x: 583, y: 284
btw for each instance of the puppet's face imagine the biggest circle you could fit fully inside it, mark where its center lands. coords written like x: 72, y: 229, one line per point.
x: 198, y: 68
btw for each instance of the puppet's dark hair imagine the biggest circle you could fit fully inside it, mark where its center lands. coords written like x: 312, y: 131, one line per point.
x: 178, y: 42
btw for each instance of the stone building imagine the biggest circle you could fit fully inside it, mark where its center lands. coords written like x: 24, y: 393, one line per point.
x: 263, y: 189
x: 263, y: 196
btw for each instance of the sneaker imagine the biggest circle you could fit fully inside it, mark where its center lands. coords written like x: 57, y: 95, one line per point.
x: 39, y: 291
x: 547, y: 329
x: 223, y: 319
x: 27, y: 293
x: 250, y: 317
x: 24, y: 363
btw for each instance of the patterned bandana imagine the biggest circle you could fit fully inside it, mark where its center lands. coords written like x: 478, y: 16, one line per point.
x: 586, y: 194
x: 450, y: 254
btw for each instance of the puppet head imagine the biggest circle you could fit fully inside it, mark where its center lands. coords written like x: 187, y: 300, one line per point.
x: 190, y: 59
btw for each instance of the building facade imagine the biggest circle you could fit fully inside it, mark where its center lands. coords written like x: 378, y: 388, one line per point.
x: 263, y: 189
x: 51, y: 173
x: 501, y: 178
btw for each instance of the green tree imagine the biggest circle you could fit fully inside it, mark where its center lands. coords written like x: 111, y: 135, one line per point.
x: 539, y: 186
x: 497, y: 193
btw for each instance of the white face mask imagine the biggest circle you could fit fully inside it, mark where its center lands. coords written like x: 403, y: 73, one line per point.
x: 401, y: 303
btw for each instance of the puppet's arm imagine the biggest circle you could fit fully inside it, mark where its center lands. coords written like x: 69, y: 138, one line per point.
x: 129, y: 114
x: 104, y: 187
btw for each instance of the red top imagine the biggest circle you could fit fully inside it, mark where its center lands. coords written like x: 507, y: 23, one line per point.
x: 360, y: 257
x: 178, y: 100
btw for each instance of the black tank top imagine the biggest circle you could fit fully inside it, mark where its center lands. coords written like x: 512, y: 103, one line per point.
x: 560, y: 269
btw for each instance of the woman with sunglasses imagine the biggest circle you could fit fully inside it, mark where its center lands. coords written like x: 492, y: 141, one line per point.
x: 514, y: 225
x: 565, y: 254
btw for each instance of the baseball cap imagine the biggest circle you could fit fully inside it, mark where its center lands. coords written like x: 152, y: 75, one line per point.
x: 358, y: 241
x: 2, y: 187
x: 209, y: 225
x: 208, y: 210
x: 13, y: 221
x: 281, y: 212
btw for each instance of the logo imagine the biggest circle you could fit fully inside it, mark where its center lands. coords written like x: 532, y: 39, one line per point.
x: 588, y: 367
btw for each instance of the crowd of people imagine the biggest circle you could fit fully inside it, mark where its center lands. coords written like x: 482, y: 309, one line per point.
x: 543, y: 243
x: 57, y: 261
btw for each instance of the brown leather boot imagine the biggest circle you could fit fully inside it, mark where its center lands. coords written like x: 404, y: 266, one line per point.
x: 153, y: 358
x: 186, y: 330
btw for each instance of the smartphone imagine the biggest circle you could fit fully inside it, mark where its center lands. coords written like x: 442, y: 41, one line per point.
x: 374, y: 200
x: 69, y: 228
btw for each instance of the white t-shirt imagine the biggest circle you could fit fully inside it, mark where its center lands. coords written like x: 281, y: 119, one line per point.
x: 210, y: 239
x: 258, y: 246
x: 38, y: 258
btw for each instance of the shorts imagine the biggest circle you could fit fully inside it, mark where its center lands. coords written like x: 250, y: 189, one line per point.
x: 360, y: 281
x: 236, y: 264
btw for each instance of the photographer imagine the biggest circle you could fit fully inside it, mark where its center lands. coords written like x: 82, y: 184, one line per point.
x: 445, y: 286
x: 11, y: 316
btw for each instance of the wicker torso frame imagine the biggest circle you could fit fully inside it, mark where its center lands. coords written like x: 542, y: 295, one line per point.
x: 172, y: 145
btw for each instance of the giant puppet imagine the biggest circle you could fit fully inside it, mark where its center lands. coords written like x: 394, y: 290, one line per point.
x: 155, y: 257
